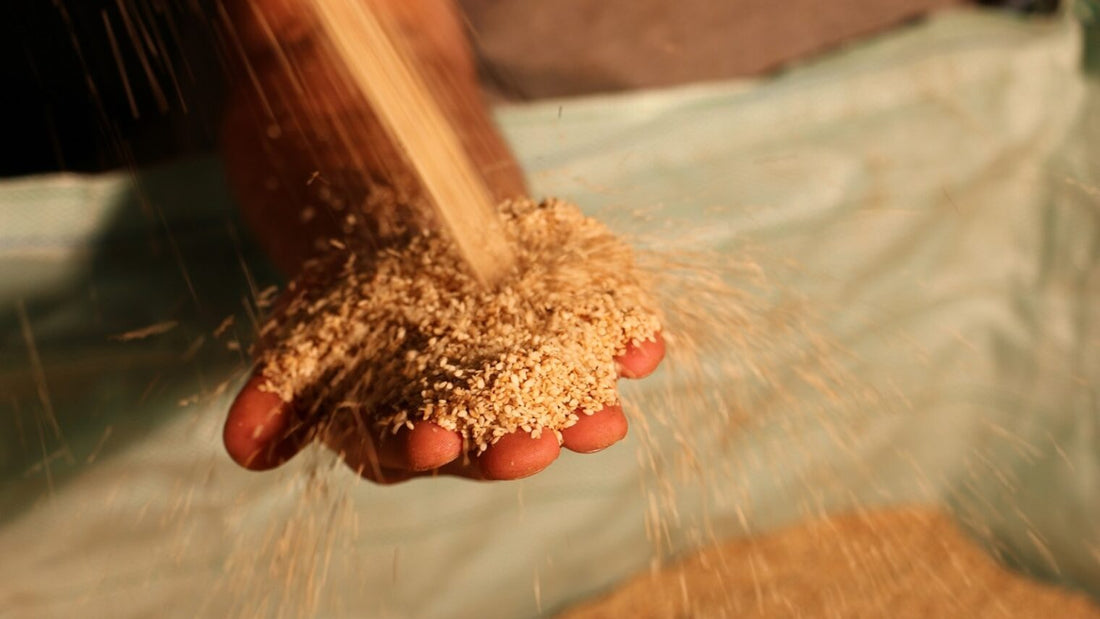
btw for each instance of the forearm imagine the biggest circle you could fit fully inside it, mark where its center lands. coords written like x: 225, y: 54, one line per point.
x: 305, y: 156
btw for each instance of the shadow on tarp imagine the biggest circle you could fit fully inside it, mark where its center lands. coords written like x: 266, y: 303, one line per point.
x: 125, y: 339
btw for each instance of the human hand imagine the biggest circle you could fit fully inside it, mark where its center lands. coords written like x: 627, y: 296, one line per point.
x: 262, y: 432
x: 284, y: 129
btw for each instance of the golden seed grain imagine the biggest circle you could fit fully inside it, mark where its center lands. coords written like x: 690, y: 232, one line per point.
x: 436, y: 345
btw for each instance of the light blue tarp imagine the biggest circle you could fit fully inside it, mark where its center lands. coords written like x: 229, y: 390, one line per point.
x: 932, y: 196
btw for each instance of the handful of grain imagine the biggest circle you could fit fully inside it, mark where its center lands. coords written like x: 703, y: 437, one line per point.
x: 409, y: 334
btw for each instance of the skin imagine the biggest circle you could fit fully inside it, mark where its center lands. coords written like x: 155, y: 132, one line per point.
x: 291, y: 121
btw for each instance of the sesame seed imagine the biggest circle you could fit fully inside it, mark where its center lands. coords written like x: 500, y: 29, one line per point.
x: 527, y: 355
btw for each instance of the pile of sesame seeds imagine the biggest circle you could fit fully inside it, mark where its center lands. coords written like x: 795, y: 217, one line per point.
x: 393, y: 336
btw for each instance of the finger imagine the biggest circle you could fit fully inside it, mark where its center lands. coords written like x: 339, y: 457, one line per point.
x: 369, y: 463
x: 260, y: 431
x: 361, y: 447
x: 519, y: 455
x: 428, y: 446
x: 380, y: 461
x: 390, y: 476
x: 424, y: 447
x: 642, y: 358
x: 466, y: 468
x: 597, y: 431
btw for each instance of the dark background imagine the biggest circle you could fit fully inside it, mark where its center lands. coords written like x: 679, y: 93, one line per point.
x: 66, y: 106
